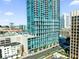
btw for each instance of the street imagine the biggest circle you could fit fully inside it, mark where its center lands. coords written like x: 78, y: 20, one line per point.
x: 41, y: 55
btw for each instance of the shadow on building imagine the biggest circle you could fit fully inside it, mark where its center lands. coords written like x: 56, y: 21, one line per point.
x: 65, y: 43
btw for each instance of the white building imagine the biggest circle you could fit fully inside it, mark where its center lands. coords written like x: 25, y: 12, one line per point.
x: 16, y: 37
x: 23, y: 38
x: 8, y: 49
x: 67, y: 20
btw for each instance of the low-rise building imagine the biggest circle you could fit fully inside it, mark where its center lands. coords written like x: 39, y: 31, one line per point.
x: 8, y: 49
x: 23, y: 38
x: 22, y: 27
x: 3, y: 30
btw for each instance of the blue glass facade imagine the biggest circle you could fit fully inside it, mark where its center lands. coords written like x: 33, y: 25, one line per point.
x: 43, y: 20
x: 62, y: 22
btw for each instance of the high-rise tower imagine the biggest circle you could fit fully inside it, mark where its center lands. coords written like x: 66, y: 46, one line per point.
x: 74, y: 41
x: 43, y: 20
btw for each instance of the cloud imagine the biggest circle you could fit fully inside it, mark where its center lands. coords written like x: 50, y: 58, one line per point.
x: 7, y: 0
x: 74, y: 2
x: 8, y: 13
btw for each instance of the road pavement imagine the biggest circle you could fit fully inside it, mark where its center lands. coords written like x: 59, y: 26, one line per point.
x: 42, y: 55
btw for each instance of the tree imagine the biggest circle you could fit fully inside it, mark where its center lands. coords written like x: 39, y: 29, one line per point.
x: 22, y: 50
x: 0, y: 26
x: 7, y: 26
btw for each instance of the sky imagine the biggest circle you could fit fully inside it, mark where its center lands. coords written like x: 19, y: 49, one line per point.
x: 67, y: 6
x: 12, y: 11
x: 15, y: 10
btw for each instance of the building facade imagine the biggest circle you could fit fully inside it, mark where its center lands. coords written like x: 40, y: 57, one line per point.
x: 74, y: 41
x: 21, y: 27
x: 9, y: 42
x: 4, y: 29
x: 43, y: 20
x: 61, y: 22
x: 65, y: 21
x: 8, y: 49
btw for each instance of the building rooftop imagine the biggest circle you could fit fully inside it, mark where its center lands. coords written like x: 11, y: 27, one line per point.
x: 11, y: 44
x: 10, y: 30
x: 15, y: 33
x: 75, y: 13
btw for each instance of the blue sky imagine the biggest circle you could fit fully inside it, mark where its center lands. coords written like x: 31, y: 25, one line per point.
x: 12, y: 11
x: 15, y: 10
x: 67, y: 6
